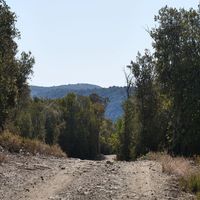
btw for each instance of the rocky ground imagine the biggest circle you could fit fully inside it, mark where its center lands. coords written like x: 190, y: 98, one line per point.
x: 48, y: 178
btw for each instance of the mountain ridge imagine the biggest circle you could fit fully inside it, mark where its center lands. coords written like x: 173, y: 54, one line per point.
x: 115, y: 94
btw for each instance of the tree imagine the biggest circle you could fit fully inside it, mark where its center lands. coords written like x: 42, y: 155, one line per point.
x: 107, y: 137
x: 83, y: 117
x: 126, y: 136
x: 177, y: 50
x: 127, y: 132
x: 140, y: 128
x: 68, y: 136
x: 13, y: 71
x: 53, y: 123
x: 25, y: 125
x: 98, y: 106
x: 146, y: 103
x: 36, y: 110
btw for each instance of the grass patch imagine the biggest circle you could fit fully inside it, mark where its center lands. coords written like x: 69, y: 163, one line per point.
x: 15, y: 143
x: 188, y: 171
x: 179, y: 166
x: 191, y: 183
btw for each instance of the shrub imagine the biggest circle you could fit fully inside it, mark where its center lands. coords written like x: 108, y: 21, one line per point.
x: 10, y: 142
x: 191, y: 183
x: 188, y: 174
x: 16, y: 143
x: 173, y: 165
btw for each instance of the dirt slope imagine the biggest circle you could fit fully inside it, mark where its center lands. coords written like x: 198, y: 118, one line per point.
x: 40, y: 178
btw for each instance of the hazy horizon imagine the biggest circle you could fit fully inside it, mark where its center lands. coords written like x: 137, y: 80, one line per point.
x: 85, y: 41
x: 76, y: 84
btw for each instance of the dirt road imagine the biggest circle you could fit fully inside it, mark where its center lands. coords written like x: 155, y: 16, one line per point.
x: 40, y: 178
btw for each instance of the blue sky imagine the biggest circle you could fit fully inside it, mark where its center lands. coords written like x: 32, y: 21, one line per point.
x: 86, y: 41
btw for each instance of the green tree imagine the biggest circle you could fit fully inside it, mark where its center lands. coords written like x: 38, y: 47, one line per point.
x: 68, y: 136
x: 176, y: 44
x: 13, y: 71
x: 82, y: 117
x: 25, y: 125
x: 146, y: 103
x: 141, y: 132
x: 126, y: 134
x: 107, y: 139
x: 53, y: 123
x: 37, y: 113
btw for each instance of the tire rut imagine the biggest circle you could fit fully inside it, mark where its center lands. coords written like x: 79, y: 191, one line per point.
x: 40, y: 178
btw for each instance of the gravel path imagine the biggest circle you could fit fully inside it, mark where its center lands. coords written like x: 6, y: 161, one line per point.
x: 42, y: 178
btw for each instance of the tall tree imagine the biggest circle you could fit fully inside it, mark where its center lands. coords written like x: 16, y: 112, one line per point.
x: 126, y: 135
x: 146, y: 103
x: 13, y: 71
x: 177, y: 50
x: 53, y: 123
x: 140, y: 128
x: 83, y: 117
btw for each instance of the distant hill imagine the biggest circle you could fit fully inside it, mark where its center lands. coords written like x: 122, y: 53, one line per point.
x: 116, y: 95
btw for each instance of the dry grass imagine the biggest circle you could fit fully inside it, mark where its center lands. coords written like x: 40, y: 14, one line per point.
x: 187, y: 170
x: 15, y: 143
x: 179, y: 166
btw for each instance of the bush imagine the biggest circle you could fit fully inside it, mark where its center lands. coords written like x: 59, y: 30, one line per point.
x: 11, y: 142
x: 16, y: 144
x: 179, y: 166
x: 188, y: 174
x: 191, y: 183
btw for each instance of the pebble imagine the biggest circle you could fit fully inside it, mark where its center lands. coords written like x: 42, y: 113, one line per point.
x: 109, y: 162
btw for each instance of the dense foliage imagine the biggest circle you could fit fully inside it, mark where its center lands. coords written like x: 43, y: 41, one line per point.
x: 177, y: 50
x: 83, y: 117
x: 166, y: 98
x: 162, y: 110
x: 116, y: 95
x: 73, y: 122
x: 14, y: 71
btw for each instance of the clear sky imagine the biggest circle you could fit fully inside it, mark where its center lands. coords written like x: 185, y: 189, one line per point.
x: 86, y: 41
